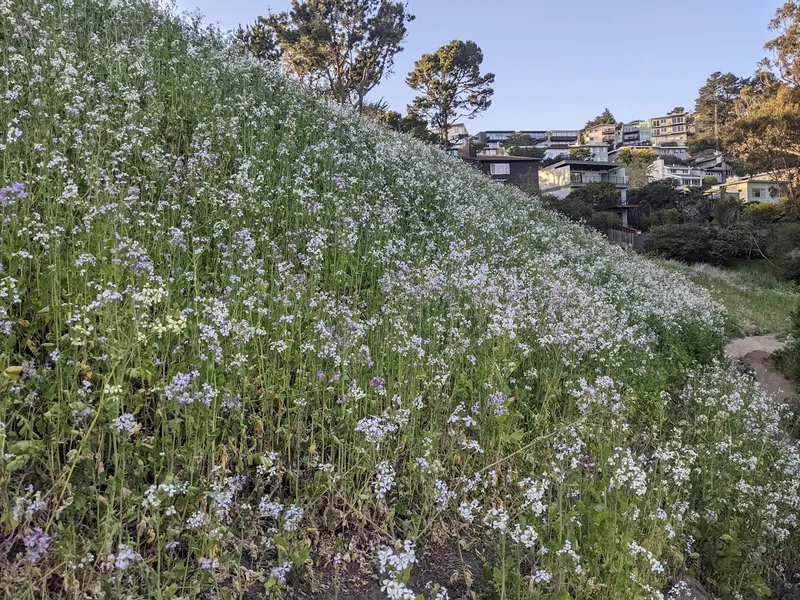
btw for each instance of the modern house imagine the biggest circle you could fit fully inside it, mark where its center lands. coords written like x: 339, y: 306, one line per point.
x: 517, y: 170
x: 685, y: 175
x: 563, y: 177
x: 635, y: 133
x: 670, y: 129
x: 677, y: 151
x: 601, y: 134
x: 754, y: 188
x: 493, y: 140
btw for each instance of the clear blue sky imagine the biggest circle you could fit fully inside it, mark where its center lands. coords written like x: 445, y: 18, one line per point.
x: 558, y: 64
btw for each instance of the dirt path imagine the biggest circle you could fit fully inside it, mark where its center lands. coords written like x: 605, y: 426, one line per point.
x: 755, y: 351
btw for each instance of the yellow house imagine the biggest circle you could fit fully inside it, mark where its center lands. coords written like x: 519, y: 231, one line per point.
x: 671, y: 129
x: 754, y: 188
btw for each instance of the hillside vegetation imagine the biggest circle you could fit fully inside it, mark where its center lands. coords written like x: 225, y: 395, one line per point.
x: 251, y: 343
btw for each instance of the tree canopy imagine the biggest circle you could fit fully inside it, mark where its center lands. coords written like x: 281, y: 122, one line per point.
x: 522, y: 144
x: 451, y: 85
x: 637, y: 164
x: 345, y: 47
x: 766, y: 130
x: 604, y: 118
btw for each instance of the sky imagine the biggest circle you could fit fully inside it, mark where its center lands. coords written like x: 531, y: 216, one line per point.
x: 558, y: 64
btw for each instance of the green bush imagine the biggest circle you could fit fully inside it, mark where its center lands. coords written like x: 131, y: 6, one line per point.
x: 601, y: 195
x: 783, y: 249
x: 788, y: 359
x: 604, y: 220
x: 694, y: 243
x: 761, y: 214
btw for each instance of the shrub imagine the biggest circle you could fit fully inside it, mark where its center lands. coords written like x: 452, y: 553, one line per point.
x: 783, y: 249
x: 762, y: 214
x: 788, y: 359
x: 604, y: 220
x: 601, y: 195
x: 694, y: 243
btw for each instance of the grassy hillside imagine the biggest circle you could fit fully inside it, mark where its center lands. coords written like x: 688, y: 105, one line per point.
x: 253, y: 343
x: 753, y: 295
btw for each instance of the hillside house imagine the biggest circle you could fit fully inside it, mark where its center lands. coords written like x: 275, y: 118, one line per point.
x: 517, y: 170
x: 563, y: 177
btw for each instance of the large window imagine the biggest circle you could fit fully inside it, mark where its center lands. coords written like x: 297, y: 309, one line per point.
x: 757, y: 193
x: 500, y: 169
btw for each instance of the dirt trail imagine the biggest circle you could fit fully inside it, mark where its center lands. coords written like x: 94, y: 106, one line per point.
x: 755, y: 351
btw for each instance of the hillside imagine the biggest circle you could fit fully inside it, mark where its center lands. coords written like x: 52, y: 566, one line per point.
x: 252, y: 343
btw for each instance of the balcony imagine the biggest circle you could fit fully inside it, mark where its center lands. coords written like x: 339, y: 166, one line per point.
x: 581, y: 178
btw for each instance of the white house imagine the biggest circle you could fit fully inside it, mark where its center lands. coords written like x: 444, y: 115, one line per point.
x: 563, y: 177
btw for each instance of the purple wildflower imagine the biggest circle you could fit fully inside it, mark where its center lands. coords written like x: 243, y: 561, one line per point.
x: 37, y: 543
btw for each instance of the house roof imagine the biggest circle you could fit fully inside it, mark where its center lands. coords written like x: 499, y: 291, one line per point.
x: 502, y: 159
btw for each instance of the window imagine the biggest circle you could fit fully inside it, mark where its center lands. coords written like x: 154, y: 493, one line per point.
x: 500, y: 169
x: 677, y: 120
x: 757, y: 193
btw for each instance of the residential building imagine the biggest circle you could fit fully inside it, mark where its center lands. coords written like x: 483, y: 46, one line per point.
x: 712, y: 163
x: 600, y: 134
x: 458, y: 137
x: 563, y: 177
x: 635, y: 133
x: 685, y: 175
x: 754, y: 188
x: 508, y: 169
x: 677, y: 151
x: 562, y: 138
x: 494, y: 140
x: 670, y: 129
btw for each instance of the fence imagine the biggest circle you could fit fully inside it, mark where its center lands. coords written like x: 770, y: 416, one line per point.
x: 627, y: 236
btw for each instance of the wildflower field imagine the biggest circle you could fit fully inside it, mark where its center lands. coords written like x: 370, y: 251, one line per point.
x: 251, y: 344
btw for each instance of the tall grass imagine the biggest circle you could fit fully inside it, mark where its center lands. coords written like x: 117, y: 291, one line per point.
x: 755, y: 297
x: 250, y: 340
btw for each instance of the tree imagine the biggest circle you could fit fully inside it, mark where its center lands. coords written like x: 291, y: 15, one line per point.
x: 715, y: 104
x: 522, y: 144
x: 678, y: 110
x: 766, y: 131
x: 604, y: 118
x: 451, y: 85
x: 710, y: 180
x: 580, y: 153
x: 345, y: 47
x: 785, y: 48
x: 259, y: 39
x: 637, y: 164
x: 600, y: 195
x: 410, y: 124
x: 767, y: 136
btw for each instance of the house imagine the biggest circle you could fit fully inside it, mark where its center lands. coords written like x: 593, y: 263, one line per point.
x: 493, y: 140
x: 562, y: 137
x: 517, y: 170
x: 670, y: 129
x: 563, y: 177
x: 753, y: 188
x: 458, y: 138
x: 712, y: 163
x: 685, y: 175
x: 601, y: 134
x: 635, y: 133
x: 677, y: 151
